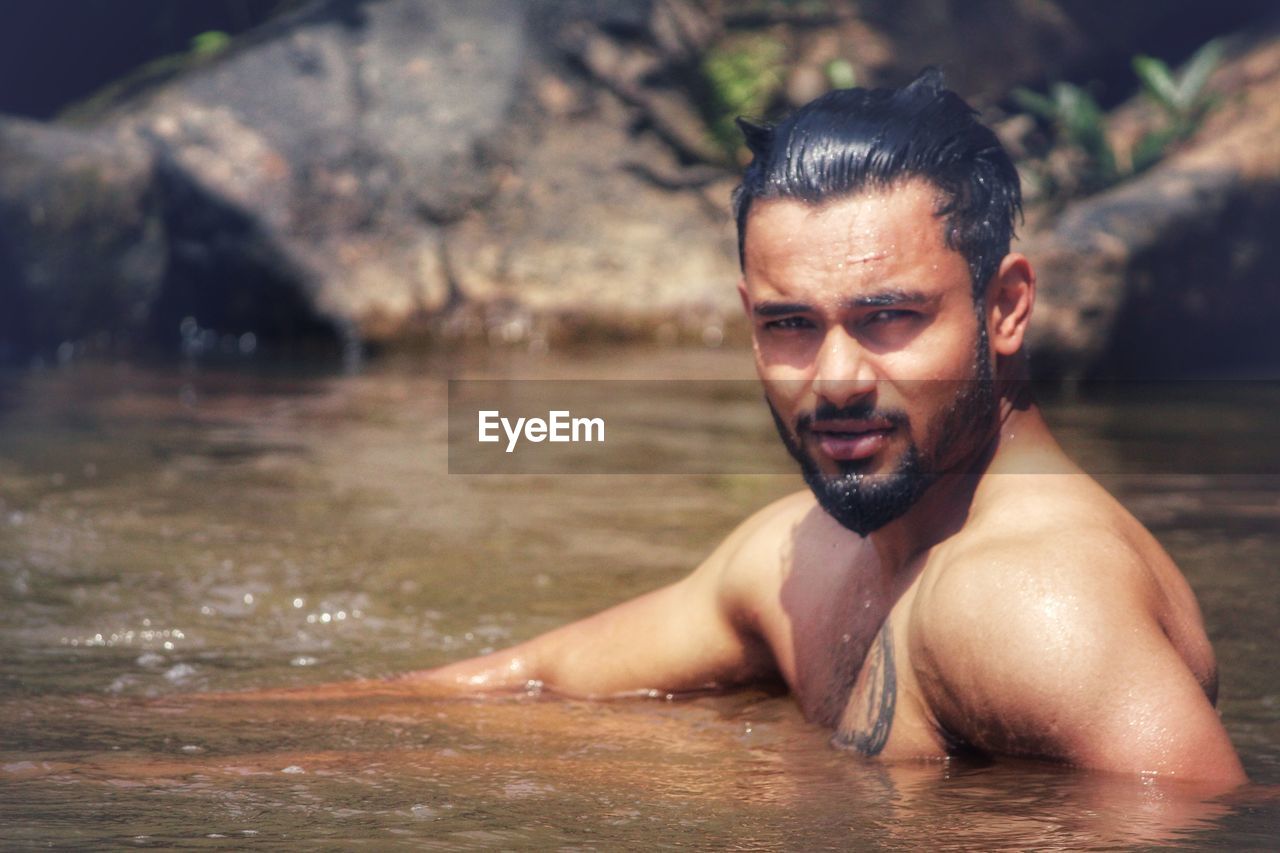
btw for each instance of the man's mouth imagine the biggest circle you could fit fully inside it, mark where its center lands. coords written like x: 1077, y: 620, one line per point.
x: 847, y: 441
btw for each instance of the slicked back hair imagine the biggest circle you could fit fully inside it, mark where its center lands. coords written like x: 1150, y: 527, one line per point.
x: 853, y: 140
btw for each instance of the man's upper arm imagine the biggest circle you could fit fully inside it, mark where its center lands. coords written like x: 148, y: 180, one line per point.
x: 1066, y: 661
x: 689, y: 635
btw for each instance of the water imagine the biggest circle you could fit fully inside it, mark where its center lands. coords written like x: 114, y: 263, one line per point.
x: 165, y: 533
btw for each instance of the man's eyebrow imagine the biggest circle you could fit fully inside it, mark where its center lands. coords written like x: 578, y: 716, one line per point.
x: 779, y: 309
x: 885, y: 298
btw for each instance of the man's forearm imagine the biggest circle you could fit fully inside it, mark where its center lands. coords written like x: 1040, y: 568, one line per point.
x: 509, y: 669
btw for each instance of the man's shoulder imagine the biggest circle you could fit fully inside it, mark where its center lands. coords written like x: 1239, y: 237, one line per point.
x: 1052, y: 639
x: 1025, y: 614
x: 1071, y: 556
x: 762, y: 539
x: 754, y: 558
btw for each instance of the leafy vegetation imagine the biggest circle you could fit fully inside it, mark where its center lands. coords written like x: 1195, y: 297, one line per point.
x: 1078, y: 120
x: 841, y: 74
x: 209, y: 43
x: 1181, y: 95
x: 743, y: 75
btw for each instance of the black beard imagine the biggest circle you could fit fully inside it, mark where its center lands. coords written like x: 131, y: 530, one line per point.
x: 865, y: 502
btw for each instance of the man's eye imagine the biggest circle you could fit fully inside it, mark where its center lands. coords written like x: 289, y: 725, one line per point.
x: 888, y: 316
x: 788, y: 323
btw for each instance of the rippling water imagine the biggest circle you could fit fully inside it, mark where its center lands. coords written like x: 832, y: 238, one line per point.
x: 170, y: 532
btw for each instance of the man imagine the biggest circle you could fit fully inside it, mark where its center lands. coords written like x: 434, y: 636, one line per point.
x: 951, y: 581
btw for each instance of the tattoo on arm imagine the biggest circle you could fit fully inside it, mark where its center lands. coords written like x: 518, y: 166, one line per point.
x: 871, y: 733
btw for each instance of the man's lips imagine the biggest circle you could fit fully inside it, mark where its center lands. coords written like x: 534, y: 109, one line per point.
x: 846, y: 441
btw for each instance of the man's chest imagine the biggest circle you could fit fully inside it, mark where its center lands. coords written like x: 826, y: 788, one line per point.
x: 840, y: 640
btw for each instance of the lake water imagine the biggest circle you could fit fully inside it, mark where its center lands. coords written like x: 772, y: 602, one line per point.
x: 166, y: 532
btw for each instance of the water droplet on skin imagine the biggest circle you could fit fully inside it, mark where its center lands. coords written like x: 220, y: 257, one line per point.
x: 293, y: 768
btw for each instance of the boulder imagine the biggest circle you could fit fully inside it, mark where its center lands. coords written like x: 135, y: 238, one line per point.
x: 374, y: 170
x: 1177, y: 271
x: 368, y: 171
x: 82, y: 243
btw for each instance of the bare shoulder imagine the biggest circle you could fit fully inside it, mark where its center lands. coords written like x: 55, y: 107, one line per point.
x: 1000, y: 608
x: 1049, y: 634
x: 1064, y: 539
x: 761, y: 544
x: 1057, y: 559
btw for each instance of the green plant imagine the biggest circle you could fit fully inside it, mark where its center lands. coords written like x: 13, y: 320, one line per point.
x: 1181, y: 95
x: 742, y: 74
x: 209, y: 43
x: 841, y: 74
x: 1077, y: 117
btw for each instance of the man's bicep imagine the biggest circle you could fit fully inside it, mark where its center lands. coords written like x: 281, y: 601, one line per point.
x: 1075, y: 672
x: 674, y: 639
x: 1151, y: 715
x: 685, y: 636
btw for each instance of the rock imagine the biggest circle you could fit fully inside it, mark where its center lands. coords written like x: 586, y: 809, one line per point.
x: 1175, y: 271
x: 373, y: 170
x: 82, y: 242
x: 369, y: 170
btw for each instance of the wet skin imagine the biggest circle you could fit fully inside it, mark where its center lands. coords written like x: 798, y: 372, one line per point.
x: 1014, y: 609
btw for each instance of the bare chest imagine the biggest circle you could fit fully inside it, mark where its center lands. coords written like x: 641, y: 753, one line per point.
x: 847, y: 661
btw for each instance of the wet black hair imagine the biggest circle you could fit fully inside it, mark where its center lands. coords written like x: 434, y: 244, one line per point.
x: 850, y: 140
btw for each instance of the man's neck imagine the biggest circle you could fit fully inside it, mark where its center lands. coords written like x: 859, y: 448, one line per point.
x: 945, y: 506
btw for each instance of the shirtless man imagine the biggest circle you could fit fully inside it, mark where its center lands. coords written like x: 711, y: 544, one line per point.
x: 951, y: 581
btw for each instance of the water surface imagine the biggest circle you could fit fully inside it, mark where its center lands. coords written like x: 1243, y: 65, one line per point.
x: 167, y: 532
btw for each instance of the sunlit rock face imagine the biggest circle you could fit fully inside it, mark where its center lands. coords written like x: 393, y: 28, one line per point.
x: 1177, y: 271
x: 369, y: 172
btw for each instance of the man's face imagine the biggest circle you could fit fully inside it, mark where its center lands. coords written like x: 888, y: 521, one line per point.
x: 869, y: 347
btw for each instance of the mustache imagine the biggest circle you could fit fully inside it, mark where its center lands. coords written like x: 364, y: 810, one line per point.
x: 863, y: 411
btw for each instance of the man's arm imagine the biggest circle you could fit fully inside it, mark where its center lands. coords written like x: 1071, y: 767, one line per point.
x: 693, y: 634
x: 1066, y: 661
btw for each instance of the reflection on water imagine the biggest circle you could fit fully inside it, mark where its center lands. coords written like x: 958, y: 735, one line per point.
x: 169, y: 532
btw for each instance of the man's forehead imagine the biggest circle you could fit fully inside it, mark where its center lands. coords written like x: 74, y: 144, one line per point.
x: 853, y: 229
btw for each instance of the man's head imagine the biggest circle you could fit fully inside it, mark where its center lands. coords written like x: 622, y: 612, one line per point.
x: 874, y: 230
x: 852, y: 140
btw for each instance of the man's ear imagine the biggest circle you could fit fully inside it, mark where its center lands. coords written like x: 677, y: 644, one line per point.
x: 746, y: 299
x: 1010, y: 298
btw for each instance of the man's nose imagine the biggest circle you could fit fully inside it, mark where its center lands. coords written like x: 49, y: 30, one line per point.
x: 843, y: 373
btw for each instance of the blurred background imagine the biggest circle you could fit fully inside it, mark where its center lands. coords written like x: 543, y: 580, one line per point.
x: 227, y: 176
x: 246, y: 246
